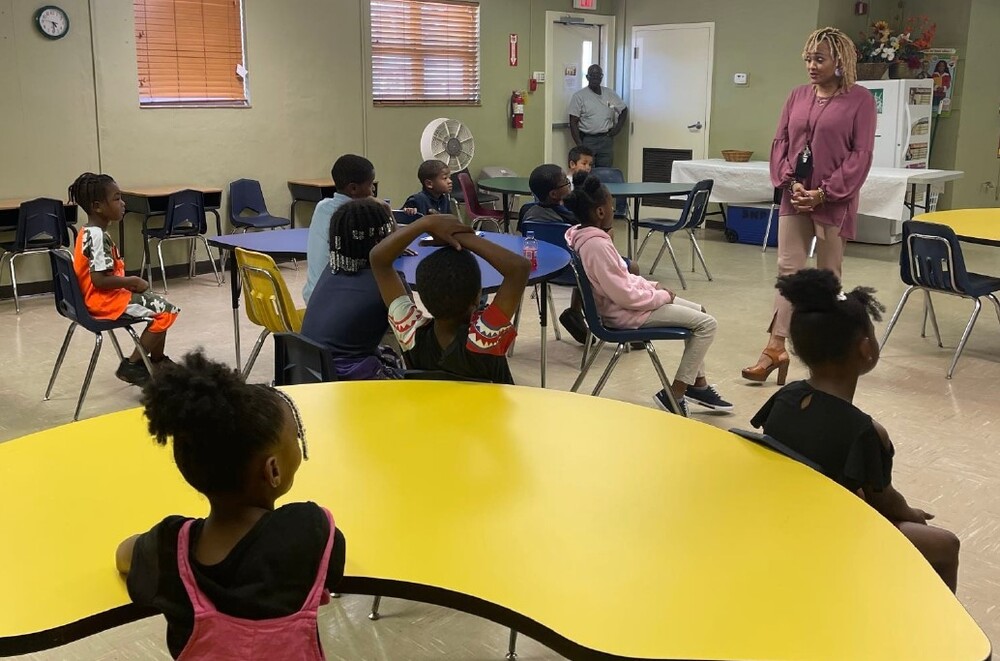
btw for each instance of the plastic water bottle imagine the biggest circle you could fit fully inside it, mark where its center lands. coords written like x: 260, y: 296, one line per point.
x: 531, y: 250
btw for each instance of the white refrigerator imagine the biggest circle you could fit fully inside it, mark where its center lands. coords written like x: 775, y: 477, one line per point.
x: 902, y: 140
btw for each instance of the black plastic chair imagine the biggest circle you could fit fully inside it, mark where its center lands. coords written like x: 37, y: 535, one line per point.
x: 622, y: 338
x: 614, y: 176
x: 930, y: 259
x: 692, y: 216
x: 297, y: 359
x: 41, y: 227
x: 70, y: 304
x: 246, y: 195
x: 184, y: 220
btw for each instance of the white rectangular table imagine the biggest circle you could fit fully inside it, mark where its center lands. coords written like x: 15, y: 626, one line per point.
x: 881, y: 196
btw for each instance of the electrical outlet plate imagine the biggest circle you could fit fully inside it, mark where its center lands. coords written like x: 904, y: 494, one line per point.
x: 740, y: 79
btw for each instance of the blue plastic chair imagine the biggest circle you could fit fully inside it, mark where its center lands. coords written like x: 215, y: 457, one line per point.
x: 70, y: 304
x: 244, y: 195
x: 614, y: 176
x: 184, y: 220
x: 622, y: 338
x: 692, y: 216
x: 298, y: 359
x: 555, y: 234
x: 930, y: 260
x: 41, y: 227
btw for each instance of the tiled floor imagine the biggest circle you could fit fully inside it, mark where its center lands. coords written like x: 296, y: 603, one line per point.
x: 946, y: 432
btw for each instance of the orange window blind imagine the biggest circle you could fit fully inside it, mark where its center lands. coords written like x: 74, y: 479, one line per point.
x: 188, y: 52
x: 425, y: 53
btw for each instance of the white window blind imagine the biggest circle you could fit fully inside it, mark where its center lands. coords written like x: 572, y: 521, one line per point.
x: 425, y: 53
x: 188, y: 52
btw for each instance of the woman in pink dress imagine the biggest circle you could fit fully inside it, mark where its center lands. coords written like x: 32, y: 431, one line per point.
x: 821, y: 155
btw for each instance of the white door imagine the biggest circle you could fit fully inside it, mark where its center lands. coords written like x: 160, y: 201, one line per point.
x: 670, y: 100
x: 573, y: 44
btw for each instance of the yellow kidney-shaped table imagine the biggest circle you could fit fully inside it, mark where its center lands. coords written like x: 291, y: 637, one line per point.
x: 972, y: 225
x: 602, y: 529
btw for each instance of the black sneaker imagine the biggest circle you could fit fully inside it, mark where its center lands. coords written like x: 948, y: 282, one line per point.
x: 663, y: 402
x: 574, y: 323
x: 708, y: 397
x: 134, y: 373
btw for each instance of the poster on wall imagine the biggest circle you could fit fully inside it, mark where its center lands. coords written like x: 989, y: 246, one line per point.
x: 939, y: 65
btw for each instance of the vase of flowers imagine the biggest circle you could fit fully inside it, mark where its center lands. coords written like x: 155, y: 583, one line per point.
x: 880, y: 49
x: 917, y: 35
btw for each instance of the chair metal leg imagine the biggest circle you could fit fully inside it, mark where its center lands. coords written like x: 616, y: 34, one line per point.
x: 374, y: 615
x: 586, y: 349
x: 253, y: 354
x: 90, y: 375
x: 609, y: 369
x: 13, y: 282
x: 147, y: 259
x: 673, y: 258
x: 512, y: 646
x: 516, y: 321
x: 701, y: 257
x: 996, y: 304
x: 552, y: 314
x: 659, y: 254
x: 211, y: 261
x: 163, y: 266
x: 586, y: 368
x: 59, y: 360
x: 895, y: 316
x: 812, y: 248
x: 642, y: 245
x: 965, y: 337
x: 767, y: 230
x: 658, y: 366
x: 934, y: 324
x: 138, y: 345
x: 118, y: 347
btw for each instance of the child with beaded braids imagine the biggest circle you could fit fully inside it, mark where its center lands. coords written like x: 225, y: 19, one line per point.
x: 248, y: 577
x: 107, y: 291
x: 832, y: 333
x: 626, y: 301
x: 345, y: 312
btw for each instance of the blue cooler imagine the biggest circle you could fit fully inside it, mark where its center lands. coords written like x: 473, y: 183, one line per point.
x: 746, y: 224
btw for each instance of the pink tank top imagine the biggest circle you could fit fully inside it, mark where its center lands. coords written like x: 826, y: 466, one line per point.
x: 223, y: 637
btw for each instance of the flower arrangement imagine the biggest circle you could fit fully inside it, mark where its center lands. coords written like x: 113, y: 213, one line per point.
x: 879, y: 45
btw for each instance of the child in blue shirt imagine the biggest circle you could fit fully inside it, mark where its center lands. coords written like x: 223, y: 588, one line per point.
x: 435, y: 194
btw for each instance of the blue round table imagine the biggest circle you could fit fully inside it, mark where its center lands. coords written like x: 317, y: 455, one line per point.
x: 291, y: 244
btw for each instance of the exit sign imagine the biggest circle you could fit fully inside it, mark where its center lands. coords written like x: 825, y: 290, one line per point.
x: 584, y: 4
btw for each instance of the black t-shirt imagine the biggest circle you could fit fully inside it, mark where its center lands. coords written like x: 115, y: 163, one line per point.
x: 346, y: 313
x: 456, y: 358
x: 268, y: 573
x: 833, y: 433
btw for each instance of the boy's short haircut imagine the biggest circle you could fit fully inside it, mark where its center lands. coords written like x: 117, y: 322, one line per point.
x: 544, y: 179
x: 449, y: 282
x: 580, y: 150
x: 351, y: 169
x: 430, y: 170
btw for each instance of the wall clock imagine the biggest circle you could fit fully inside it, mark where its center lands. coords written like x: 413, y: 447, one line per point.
x: 52, y: 22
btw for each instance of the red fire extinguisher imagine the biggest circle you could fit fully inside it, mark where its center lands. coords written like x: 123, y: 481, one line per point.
x: 517, y: 109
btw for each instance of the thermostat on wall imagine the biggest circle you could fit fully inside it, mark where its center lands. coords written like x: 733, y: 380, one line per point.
x: 740, y: 79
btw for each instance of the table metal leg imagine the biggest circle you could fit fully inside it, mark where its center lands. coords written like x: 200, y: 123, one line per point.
x: 633, y: 234
x: 291, y: 212
x: 506, y: 212
x: 543, y: 316
x: 234, y: 288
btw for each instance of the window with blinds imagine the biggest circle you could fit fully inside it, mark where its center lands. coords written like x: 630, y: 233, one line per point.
x: 425, y: 53
x: 190, y: 52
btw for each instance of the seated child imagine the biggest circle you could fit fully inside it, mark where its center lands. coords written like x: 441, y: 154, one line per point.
x: 550, y: 185
x: 345, y: 312
x: 581, y: 159
x: 435, y: 193
x: 268, y: 569
x: 833, y: 334
x: 625, y: 300
x: 107, y: 291
x: 354, y: 177
x: 459, y: 339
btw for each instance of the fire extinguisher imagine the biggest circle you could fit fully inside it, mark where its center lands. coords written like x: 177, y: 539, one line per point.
x: 517, y: 109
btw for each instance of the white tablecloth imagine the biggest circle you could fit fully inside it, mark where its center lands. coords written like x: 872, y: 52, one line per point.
x: 736, y: 183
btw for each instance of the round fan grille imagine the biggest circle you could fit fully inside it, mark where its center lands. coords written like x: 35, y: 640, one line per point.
x: 448, y: 140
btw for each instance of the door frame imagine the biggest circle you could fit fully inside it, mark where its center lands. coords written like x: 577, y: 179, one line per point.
x: 634, y: 176
x: 606, y: 56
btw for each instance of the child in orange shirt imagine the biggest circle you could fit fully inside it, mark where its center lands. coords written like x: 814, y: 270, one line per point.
x: 107, y: 291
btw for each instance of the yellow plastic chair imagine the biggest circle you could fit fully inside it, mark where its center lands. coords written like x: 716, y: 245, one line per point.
x: 266, y: 298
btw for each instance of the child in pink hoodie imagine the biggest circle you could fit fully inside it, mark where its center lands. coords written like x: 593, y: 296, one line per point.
x: 630, y: 301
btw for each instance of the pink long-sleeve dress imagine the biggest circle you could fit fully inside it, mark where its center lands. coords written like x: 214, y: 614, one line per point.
x: 842, y: 143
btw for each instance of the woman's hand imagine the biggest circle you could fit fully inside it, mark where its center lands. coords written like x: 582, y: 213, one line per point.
x: 805, y: 201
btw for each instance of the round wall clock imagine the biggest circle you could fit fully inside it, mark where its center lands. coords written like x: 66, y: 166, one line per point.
x: 52, y: 22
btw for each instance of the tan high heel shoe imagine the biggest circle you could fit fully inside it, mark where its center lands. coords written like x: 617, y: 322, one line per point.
x: 776, y: 360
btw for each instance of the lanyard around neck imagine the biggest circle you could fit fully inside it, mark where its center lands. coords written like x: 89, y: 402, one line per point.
x: 810, y: 126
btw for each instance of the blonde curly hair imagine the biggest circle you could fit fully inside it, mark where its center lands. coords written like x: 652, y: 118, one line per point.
x: 841, y: 47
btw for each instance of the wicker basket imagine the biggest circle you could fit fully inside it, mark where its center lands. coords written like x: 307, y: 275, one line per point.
x: 736, y: 155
